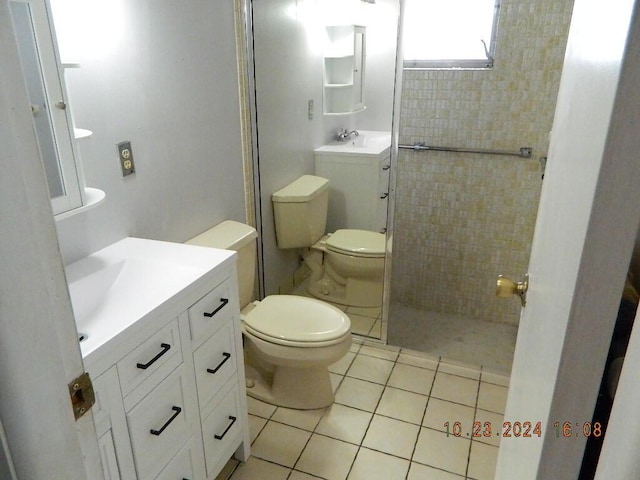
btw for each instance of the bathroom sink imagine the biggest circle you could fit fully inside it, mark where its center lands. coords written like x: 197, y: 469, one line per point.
x: 125, y: 282
x: 366, y: 143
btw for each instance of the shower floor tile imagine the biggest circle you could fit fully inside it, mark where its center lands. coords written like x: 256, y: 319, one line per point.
x: 455, y: 338
x: 379, y: 427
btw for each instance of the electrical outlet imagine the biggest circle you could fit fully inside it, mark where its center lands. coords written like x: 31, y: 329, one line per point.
x: 126, y: 158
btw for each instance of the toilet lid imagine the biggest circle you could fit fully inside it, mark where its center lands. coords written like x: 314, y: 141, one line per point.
x: 289, y: 318
x: 360, y: 243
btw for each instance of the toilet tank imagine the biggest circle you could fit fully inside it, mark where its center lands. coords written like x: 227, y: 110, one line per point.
x: 230, y: 235
x: 300, y: 211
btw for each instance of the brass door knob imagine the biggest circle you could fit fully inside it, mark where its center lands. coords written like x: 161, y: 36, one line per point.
x: 506, y: 287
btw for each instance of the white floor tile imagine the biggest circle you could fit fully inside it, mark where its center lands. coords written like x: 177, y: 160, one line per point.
x: 369, y: 368
x: 440, y: 412
x: 327, y: 458
x: 482, y: 462
x: 460, y: 370
x: 373, y: 312
x: 422, y: 472
x: 359, y: 394
x: 342, y: 365
x: 335, y: 380
x: 418, y: 359
x: 370, y: 465
x: 391, y: 436
x: 300, y: 476
x: 344, y: 423
x: 256, y: 424
x: 376, y: 330
x: 402, y: 405
x: 304, y: 419
x: 256, y: 468
x: 491, y: 427
x: 280, y: 444
x: 413, y: 379
x: 496, y: 378
x: 387, y: 353
x: 492, y: 397
x: 259, y: 408
x: 439, y: 450
x: 455, y: 389
x: 360, y: 325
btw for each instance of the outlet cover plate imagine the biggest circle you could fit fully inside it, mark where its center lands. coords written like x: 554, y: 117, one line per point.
x: 126, y: 158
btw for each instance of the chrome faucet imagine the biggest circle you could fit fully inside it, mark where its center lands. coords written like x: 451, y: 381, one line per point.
x: 343, y: 135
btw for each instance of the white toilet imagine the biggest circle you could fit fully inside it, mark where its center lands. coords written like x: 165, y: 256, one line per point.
x: 289, y: 341
x: 347, y: 267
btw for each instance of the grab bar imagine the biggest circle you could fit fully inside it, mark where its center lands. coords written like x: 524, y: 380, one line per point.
x: 525, y: 152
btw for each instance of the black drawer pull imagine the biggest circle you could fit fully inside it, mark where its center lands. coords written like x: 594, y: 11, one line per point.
x: 386, y: 167
x: 223, y: 302
x: 173, y: 417
x: 233, y: 420
x: 383, y: 196
x: 226, y: 356
x: 165, y: 349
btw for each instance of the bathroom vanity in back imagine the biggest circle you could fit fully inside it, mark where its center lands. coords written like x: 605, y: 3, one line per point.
x: 358, y: 173
x: 163, y: 346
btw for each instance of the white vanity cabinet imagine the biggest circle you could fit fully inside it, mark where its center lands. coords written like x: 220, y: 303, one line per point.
x: 358, y: 189
x: 170, y: 394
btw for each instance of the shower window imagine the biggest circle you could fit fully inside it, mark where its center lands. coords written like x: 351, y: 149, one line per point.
x: 450, y: 34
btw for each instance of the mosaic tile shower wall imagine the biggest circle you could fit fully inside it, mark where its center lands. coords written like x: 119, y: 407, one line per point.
x: 462, y: 219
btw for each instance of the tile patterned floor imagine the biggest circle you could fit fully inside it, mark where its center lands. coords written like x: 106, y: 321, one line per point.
x: 387, y: 423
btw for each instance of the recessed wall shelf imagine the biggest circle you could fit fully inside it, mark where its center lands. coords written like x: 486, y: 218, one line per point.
x: 344, y: 62
x: 91, y: 197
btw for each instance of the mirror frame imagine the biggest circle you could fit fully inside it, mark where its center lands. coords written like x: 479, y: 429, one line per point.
x: 61, y: 123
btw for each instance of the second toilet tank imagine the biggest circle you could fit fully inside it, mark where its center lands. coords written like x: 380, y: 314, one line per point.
x: 300, y: 211
x: 230, y: 235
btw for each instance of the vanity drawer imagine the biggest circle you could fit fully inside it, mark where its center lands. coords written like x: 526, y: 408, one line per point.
x: 215, y: 363
x: 159, y: 426
x: 180, y: 467
x: 220, y: 429
x: 159, y: 353
x: 212, y: 311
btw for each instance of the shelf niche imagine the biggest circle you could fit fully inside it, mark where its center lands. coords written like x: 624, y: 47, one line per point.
x: 344, y: 70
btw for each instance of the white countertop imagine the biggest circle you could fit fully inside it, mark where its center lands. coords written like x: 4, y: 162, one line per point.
x: 366, y: 143
x: 130, y: 280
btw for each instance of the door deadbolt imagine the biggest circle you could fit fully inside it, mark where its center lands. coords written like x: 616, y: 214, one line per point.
x: 506, y: 287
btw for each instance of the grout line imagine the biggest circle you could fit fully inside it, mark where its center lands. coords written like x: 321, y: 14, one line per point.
x: 475, y: 411
x: 415, y: 445
x: 373, y: 414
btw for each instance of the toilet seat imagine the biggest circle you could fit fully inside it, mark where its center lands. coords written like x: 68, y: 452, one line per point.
x: 296, y: 321
x: 359, y: 243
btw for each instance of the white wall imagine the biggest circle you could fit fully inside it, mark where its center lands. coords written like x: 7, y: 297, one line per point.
x: 288, y: 39
x: 162, y: 74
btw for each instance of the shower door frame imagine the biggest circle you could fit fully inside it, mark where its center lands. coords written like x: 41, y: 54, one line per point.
x: 251, y: 103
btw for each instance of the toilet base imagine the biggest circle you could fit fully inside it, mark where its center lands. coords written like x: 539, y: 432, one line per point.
x: 290, y: 387
x: 356, y: 293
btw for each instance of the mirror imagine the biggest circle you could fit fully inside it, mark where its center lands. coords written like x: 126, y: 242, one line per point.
x: 45, y: 87
x: 323, y: 67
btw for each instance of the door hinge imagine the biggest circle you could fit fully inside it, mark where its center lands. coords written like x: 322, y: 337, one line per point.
x: 82, y: 395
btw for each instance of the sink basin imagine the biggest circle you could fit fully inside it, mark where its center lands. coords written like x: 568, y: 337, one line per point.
x: 125, y: 282
x: 366, y: 143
